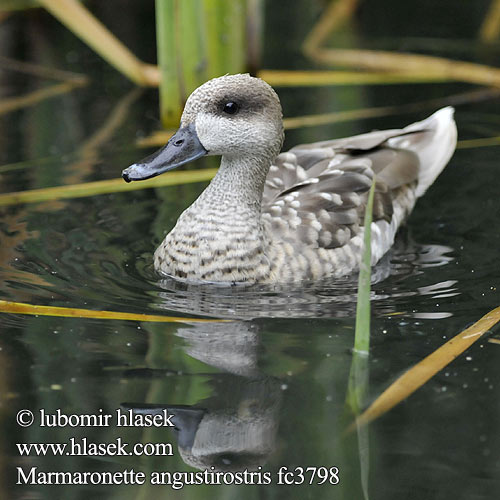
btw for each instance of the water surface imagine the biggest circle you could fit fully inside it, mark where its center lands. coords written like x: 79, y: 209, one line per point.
x: 268, y: 387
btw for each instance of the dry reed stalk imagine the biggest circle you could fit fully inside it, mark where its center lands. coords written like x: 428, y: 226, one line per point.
x: 333, y: 17
x: 406, y: 63
x: 423, y: 371
x: 491, y: 25
x: 83, y: 24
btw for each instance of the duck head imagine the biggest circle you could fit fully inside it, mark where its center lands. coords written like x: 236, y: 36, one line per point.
x: 234, y: 115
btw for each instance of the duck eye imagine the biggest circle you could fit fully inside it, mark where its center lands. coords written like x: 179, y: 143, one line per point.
x: 230, y: 108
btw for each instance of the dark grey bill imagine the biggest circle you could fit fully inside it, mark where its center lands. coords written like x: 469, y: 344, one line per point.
x: 183, y: 147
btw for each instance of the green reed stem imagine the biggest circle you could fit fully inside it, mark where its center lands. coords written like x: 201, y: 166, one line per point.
x: 166, y: 16
x: 189, y: 29
x: 235, y: 35
x: 8, y: 5
x: 362, y: 331
x: 213, y: 34
x: 197, y: 40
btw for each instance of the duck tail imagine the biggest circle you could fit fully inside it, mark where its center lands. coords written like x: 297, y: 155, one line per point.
x: 434, y: 141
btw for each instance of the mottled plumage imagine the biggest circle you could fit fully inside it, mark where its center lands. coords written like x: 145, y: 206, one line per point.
x: 297, y: 215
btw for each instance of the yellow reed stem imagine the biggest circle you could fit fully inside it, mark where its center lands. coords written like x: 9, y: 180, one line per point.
x: 406, y: 63
x: 423, y: 371
x: 83, y: 24
x: 70, y: 312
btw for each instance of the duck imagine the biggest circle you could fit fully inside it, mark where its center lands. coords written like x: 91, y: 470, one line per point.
x: 269, y: 217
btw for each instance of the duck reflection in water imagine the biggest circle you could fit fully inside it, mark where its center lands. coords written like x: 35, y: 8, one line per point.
x: 328, y: 298
x: 236, y: 428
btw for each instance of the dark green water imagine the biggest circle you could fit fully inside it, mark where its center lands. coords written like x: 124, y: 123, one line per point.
x: 268, y: 388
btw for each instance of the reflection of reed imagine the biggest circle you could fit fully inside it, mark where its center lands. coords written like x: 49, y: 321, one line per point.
x: 86, y: 156
x: 14, y: 103
x: 88, y: 153
x: 42, y: 71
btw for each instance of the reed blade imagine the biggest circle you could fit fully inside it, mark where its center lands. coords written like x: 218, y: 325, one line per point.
x: 362, y: 331
x: 70, y: 312
x: 75, y: 16
x: 294, y: 78
x: 423, y: 371
x: 105, y: 187
x: 404, y: 63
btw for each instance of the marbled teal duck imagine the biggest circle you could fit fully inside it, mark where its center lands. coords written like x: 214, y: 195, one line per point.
x: 271, y: 218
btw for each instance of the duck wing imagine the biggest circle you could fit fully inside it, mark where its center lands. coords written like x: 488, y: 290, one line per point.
x: 317, y: 193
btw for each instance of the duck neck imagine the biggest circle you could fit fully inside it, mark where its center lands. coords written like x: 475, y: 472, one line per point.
x: 221, y: 236
x: 237, y: 186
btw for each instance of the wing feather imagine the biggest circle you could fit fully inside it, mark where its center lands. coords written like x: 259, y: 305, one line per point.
x: 317, y: 193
